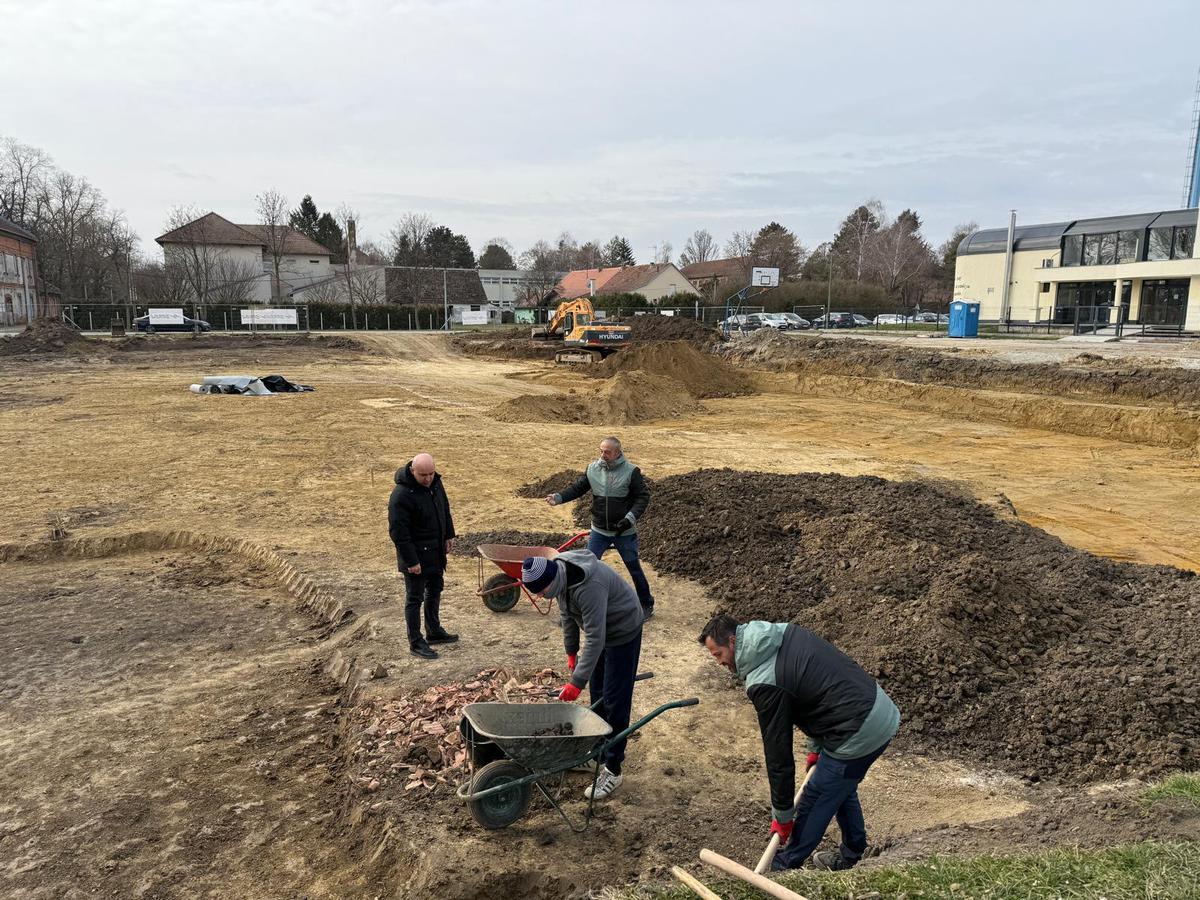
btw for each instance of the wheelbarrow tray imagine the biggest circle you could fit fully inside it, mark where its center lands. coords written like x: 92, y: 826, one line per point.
x: 511, y: 727
x: 510, y: 556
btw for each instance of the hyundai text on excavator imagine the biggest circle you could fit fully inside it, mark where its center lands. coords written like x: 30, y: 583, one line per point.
x: 584, y: 339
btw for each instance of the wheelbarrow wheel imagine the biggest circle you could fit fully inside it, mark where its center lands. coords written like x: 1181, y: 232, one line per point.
x: 504, y: 807
x: 500, y: 600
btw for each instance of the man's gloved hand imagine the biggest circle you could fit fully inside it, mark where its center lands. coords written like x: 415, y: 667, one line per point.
x: 569, y: 693
x: 623, y: 526
x: 811, y: 760
x: 783, y: 829
x: 571, y: 662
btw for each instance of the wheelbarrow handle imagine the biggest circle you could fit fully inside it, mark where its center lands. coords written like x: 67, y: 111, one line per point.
x: 643, y: 676
x: 574, y: 539
x: 653, y: 714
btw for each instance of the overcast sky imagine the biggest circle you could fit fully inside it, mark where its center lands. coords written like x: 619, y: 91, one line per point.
x: 651, y: 119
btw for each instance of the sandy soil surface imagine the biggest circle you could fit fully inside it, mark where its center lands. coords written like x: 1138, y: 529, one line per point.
x: 111, y: 444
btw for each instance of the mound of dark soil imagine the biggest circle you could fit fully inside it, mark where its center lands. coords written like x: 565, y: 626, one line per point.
x: 505, y: 343
x: 999, y: 643
x: 1125, y: 380
x: 47, y: 336
x: 628, y: 398
x: 549, y: 485
x: 181, y: 342
x: 468, y: 544
x: 672, y: 328
x: 703, y: 373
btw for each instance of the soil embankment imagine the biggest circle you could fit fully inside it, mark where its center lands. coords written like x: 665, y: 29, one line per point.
x: 628, y: 398
x: 1001, y: 644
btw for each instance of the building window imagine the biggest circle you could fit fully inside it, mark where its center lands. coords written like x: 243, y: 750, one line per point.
x: 1091, y: 250
x: 1108, y: 249
x: 1127, y: 246
x: 1185, y: 239
x: 1072, y: 249
x: 1160, y: 244
x: 314, y: 262
x: 1044, y: 287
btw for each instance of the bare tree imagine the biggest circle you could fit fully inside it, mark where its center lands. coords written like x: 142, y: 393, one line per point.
x: 273, y: 215
x: 23, y: 174
x: 852, y: 244
x: 899, y: 257
x: 541, y: 261
x: 164, y: 285
x: 664, y: 254
x: 191, y: 252
x: 232, y: 282
x: 409, y: 247
x: 700, y: 247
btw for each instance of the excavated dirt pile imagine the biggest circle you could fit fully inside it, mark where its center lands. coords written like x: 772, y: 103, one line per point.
x: 703, y: 373
x: 673, y: 328
x: 548, y: 485
x: 505, y: 343
x: 628, y: 398
x: 1129, y: 381
x: 468, y: 544
x: 47, y: 336
x: 999, y: 643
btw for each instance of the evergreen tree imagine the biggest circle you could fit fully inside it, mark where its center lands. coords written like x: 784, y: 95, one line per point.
x: 777, y: 248
x: 445, y: 249
x: 328, y: 234
x: 617, y: 252
x: 495, y: 256
x: 305, y: 218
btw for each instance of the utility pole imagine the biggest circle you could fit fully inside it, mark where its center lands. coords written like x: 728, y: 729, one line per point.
x: 445, y: 304
x: 1008, y: 258
x: 829, y: 290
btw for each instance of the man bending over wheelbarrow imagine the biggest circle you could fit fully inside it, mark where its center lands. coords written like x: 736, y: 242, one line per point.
x: 797, y: 680
x: 594, y: 599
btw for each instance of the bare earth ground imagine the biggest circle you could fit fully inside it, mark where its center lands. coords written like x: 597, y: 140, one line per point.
x: 121, y: 749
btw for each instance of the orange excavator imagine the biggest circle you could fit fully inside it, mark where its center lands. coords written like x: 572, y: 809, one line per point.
x: 584, y: 339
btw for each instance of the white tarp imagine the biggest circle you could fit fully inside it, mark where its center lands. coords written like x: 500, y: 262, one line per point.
x: 474, y: 317
x: 269, y: 317
x: 166, y: 316
x: 244, y: 384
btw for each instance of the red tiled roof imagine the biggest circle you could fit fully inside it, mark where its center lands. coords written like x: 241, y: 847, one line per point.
x: 735, y: 267
x: 575, y: 284
x: 294, y: 242
x: 631, y: 278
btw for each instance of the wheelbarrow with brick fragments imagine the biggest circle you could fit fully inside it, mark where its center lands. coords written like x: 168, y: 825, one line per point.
x: 538, y: 740
x: 501, y: 592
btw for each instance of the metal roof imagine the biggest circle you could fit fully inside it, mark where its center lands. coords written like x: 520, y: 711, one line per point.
x: 7, y: 227
x: 1048, y: 237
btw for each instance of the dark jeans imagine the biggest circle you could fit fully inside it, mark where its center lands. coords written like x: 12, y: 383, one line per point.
x: 612, y: 680
x: 832, y: 791
x: 627, y: 547
x: 425, y: 589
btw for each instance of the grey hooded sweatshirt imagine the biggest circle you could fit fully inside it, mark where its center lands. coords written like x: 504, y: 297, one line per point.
x: 598, y: 602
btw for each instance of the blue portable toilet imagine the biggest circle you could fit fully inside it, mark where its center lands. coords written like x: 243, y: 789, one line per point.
x: 964, y: 318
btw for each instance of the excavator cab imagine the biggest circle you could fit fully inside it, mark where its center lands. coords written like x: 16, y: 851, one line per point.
x: 584, y: 341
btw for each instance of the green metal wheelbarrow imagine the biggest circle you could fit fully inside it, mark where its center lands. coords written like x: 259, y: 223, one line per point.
x: 537, y: 740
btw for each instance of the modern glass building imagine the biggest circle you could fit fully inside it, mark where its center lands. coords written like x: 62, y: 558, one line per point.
x: 1139, y: 269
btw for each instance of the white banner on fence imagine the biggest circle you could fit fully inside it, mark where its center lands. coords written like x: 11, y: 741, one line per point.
x: 666, y: 312
x: 269, y: 317
x: 475, y: 317
x: 601, y: 313
x: 166, y: 316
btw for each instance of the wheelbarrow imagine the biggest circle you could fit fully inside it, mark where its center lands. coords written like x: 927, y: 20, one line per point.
x: 501, y: 592
x: 531, y: 737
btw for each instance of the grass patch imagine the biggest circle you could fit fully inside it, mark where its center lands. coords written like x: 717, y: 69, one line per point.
x: 1147, y: 871
x: 1186, y: 787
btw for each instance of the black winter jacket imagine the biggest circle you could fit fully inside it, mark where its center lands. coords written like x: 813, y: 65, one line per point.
x: 419, y: 521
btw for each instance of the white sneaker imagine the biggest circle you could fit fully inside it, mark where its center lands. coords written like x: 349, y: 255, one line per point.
x: 606, y: 783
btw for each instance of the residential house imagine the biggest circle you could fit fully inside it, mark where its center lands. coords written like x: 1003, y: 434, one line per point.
x: 657, y: 282
x: 223, y: 254
x: 716, y: 279
x: 21, y: 300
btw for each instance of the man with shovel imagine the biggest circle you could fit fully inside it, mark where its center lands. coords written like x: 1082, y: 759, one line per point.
x: 594, y: 600
x: 797, y: 680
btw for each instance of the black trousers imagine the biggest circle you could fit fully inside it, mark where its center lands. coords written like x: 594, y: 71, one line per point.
x: 423, y: 590
x: 612, y: 683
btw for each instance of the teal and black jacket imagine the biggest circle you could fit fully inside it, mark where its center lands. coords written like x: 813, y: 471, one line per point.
x: 797, y: 680
x: 618, y: 493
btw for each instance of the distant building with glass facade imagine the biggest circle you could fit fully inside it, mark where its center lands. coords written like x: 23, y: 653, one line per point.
x: 1139, y: 269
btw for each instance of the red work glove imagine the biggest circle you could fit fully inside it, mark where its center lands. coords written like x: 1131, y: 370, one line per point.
x: 569, y: 693
x: 811, y: 760
x: 570, y: 662
x: 783, y: 829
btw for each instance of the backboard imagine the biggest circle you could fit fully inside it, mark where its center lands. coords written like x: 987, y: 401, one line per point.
x: 764, y: 277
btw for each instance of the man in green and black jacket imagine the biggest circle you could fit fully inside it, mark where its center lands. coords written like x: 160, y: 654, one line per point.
x: 619, y: 498
x: 797, y: 680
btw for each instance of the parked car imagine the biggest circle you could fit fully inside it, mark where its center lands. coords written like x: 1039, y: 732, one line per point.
x: 195, y: 326
x: 836, y: 320
x: 740, y: 322
x: 926, y: 318
x: 776, y: 320
x: 891, y: 319
x: 798, y: 322
x: 861, y: 321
